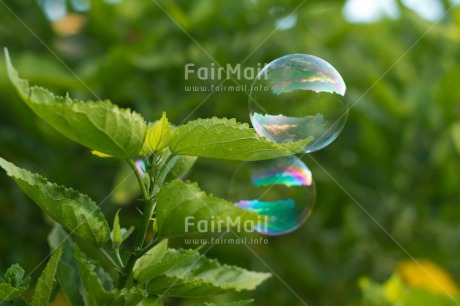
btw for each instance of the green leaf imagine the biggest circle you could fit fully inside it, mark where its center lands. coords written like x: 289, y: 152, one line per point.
x: 94, y: 291
x: 105, y: 278
x: 10, y: 293
x: 100, y: 125
x: 119, y: 234
x: 227, y: 139
x: 13, y: 285
x: 159, y: 260
x: 14, y: 275
x: 68, y: 279
x: 236, y: 303
x: 158, y: 136
x: 152, y: 257
x: 45, y: 283
x: 75, y: 211
x: 199, y: 276
x: 67, y: 274
x: 125, y: 233
x: 178, y: 201
x: 179, y: 166
x: 151, y: 301
x: 116, y: 232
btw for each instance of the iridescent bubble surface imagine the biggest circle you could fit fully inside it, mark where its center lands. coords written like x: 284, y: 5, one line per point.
x: 281, y: 190
x: 297, y: 96
x: 140, y: 165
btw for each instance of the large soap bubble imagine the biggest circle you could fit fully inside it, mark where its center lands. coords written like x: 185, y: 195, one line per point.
x: 298, y: 96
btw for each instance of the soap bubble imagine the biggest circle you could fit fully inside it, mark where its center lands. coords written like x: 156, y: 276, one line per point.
x: 281, y: 190
x: 297, y: 96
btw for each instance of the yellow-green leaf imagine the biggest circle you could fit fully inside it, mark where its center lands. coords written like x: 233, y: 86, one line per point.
x: 158, y: 136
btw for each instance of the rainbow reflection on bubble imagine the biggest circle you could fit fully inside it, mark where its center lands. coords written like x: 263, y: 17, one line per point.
x: 282, y: 190
x: 311, y: 74
x: 280, y: 215
x: 282, y: 174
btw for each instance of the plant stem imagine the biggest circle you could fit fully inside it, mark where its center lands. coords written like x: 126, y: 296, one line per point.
x: 145, y: 194
x: 163, y: 172
x: 118, y: 258
x: 116, y: 265
x: 142, y: 232
x: 148, y: 247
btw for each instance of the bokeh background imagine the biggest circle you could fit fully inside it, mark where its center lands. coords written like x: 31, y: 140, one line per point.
x: 388, y: 189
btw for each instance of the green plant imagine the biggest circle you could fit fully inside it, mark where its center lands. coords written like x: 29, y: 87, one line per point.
x: 151, y: 270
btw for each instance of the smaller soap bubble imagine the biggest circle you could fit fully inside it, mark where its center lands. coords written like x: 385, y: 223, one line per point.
x: 281, y: 190
x: 299, y: 96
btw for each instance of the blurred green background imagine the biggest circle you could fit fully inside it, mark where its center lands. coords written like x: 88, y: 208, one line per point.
x: 387, y: 189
